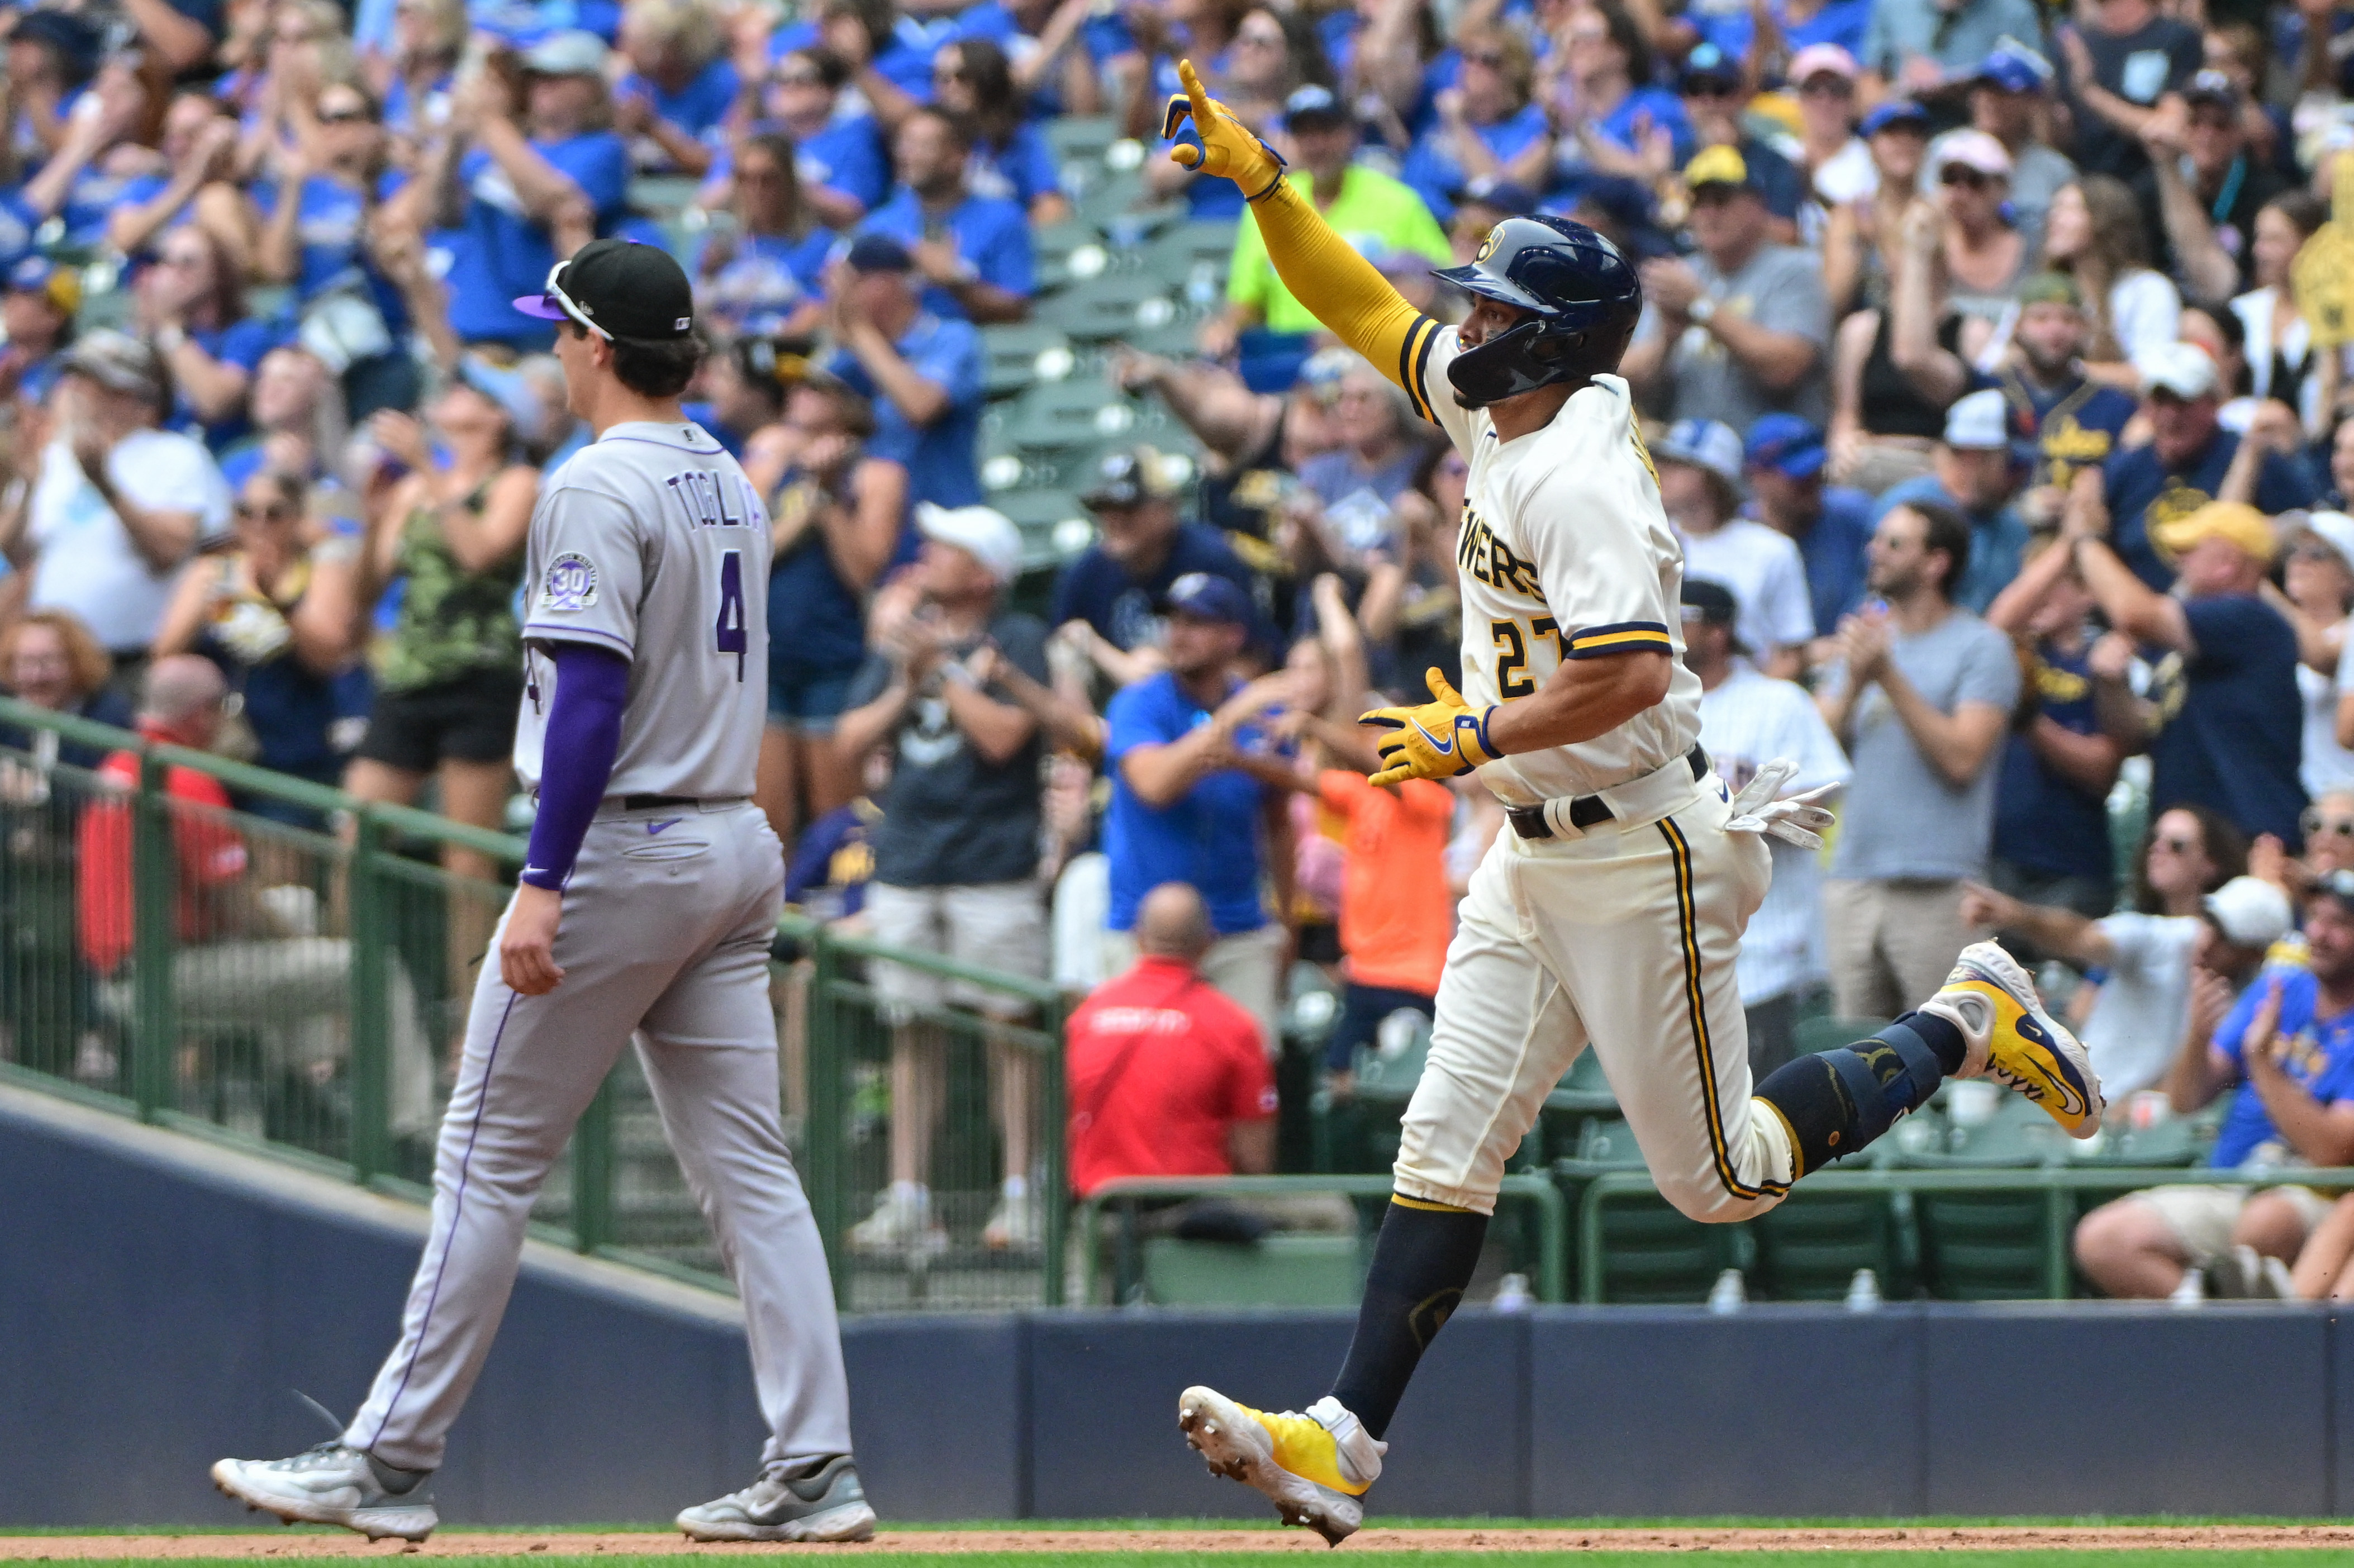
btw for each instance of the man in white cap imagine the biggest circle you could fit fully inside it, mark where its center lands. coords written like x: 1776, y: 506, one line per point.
x: 1975, y: 472
x: 956, y: 852
x: 1699, y: 464
x: 2183, y: 465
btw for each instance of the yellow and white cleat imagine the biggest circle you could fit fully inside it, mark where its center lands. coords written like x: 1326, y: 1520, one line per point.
x: 2014, y: 1042
x: 1313, y: 1467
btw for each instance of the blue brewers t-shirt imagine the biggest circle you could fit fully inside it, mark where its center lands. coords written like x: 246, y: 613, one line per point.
x: 938, y: 457
x: 2143, y: 493
x: 2233, y: 725
x: 2320, y: 1057
x: 1210, y: 838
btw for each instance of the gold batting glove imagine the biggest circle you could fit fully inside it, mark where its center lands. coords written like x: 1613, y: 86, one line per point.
x: 1442, y: 738
x: 1228, y: 146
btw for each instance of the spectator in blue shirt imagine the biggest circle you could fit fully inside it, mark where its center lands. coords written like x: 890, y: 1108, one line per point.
x: 1735, y: 30
x: 925, y: 376
x: 1120, y: 586
x: 2189, y: 461
x: 766, y: 277
x: 1783, y: 461
x: 37, y: 312
x: 681, y: 84
x: 525, y: 192
x: 838, y: 160
x: 1011, y: 161
x: 1619, y: 123
x: 193, y: 302
x: 2227, y: 725
x: 1200, y: 794
x: 2287, y: 1044
x: 1487, y: 126
x: 973, y: 250
x: 1919, y: 46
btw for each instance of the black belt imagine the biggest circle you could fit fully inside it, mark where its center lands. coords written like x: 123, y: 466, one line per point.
x: 1529, y: 821
x: 657, y: 803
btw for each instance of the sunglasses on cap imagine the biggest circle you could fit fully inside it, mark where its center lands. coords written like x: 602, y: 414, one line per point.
x: 552, y: 293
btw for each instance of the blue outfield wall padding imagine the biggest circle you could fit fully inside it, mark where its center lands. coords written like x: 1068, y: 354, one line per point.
x: 2147, y: 1408
x: 1788, y: 1412
x: 160, y: 1297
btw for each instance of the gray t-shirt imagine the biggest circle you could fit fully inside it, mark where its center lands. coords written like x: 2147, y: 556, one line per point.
x: 1780, y: 288
x: 1901, y: 818
x: 951, y: 818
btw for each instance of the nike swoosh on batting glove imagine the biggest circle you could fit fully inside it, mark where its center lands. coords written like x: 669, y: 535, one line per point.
x: 1228, y: 147
x: 1443, y: 739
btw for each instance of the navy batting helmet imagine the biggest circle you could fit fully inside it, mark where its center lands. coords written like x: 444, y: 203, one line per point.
x: 1584, y: 295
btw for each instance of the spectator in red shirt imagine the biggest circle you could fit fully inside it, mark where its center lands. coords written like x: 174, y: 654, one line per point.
x: 245, y: 957
x: 1168, y: 1077
x: 181, y: 705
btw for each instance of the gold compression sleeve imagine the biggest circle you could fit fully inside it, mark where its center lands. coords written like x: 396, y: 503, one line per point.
x: 1341, y: 289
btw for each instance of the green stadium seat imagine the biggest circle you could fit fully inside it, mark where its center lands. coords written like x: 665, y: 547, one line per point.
x: 1389, y: 1070
x: 1118, y: 307
x: 1279, y: 1270
x: 1021, y: 353
x: 1080, y: 137
x: 1055, y: 526
x: 1987, y: 1246
x: 1811, y: 1037
x: 1650, y: 1253
x: 1066, y: 416
x: 1810, y: 1245
x: 1192, y: 258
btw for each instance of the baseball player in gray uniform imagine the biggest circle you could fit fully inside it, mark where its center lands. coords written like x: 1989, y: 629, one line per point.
x: 647, y: 904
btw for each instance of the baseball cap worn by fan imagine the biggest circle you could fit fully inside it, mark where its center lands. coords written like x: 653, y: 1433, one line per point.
x: 1205, y: 595
x: 2250, y: 911
x: 1822, y: 60
x: 1708, y: 66
x: 1129, y: 478
x: 618, y: 289
x: 2334, y: 529
x: 61, y: 286
x: 1712, y: 604
x: 988, y: 535
x: 1979, y: 422
x: 117, y: 362
x: 1787, y: 444
x: 1705, y: 444
x: 2015, y: 67
x: 1314, y: 108
x: 2182, y: 369
x: 1902, y: 115
x: 877, y: 253
x: 2212, y: 86
x: 573, y: 52
x: 1718, y: 167
x: 1973, y: 150
x: 2235, y: 521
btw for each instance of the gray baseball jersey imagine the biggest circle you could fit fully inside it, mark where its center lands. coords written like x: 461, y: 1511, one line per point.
x: 651, y: 538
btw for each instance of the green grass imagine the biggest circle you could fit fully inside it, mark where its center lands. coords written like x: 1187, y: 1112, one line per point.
x: 2128, y: 1559
x: 1451, y: 1560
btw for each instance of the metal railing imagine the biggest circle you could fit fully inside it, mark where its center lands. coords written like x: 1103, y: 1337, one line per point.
x: 2056, y: 1185
x: 292, y: 974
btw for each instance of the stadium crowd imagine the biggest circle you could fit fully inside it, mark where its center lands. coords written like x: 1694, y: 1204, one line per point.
x: 2005, y: 433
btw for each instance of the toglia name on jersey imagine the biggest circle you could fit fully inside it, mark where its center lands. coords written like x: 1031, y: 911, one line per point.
x: 703, y: 496
x: 1479, y: 552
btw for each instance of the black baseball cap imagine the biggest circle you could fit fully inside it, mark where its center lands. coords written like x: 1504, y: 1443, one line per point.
x: 618, y: 288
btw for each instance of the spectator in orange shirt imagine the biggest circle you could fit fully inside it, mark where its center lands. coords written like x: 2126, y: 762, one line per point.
x: 1396, y: 917
x: 1167, y: 1077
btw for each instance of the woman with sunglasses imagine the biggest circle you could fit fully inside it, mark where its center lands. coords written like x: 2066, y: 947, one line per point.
x: 191, y: 305
x: 1010, y: 156
x: 317, y: 222
x: 764, y: 278
x: 1487, y: 126
x: 276, y: 612
x: 2149, y: 952
x: 1985, y: 254
x: 1607, y: 117
x: 840, y: 164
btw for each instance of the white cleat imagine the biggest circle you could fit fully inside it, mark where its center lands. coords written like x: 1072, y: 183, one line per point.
x: 817, y: 1500
x: 1314, y: 1468
x: 334, y: 1484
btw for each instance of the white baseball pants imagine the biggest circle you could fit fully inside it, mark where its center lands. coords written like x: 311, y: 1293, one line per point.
x: 1624, y: 937
x: 667, y: 921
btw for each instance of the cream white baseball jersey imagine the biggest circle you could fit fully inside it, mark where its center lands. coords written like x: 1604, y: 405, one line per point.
x: 1622, y: 935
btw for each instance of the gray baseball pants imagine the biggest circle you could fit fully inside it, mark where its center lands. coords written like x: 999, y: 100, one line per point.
x: 666, y: 927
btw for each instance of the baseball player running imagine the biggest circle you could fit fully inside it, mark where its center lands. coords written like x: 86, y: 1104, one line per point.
x: 1612, y: 910
x: 647, y: 904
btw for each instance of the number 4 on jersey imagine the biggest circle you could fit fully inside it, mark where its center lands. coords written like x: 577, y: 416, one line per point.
x: 730, y: 628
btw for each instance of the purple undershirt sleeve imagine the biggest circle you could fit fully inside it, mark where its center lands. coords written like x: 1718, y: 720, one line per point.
x: 584, y: 735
